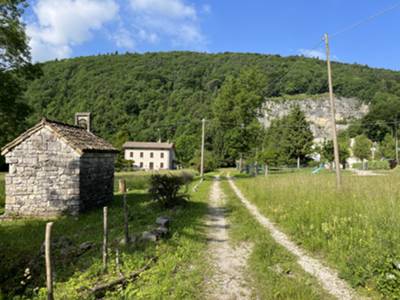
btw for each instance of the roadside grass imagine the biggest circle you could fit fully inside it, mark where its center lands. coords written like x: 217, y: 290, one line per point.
x: 177, y: 273
x: 273, y: 271
x: 356, y: 230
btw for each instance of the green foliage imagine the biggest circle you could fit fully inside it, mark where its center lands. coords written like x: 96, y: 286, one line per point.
x: 164, y: 188
x: 387, y: 147
x: 289, y: 138
x: 210, y: 161
x: 362, y: 147
x: 15, y: 70
x: 186, y: 146
x: 139, y: 96
x: 327, y: 151
x: 235, y: 111
x: 383, y: 116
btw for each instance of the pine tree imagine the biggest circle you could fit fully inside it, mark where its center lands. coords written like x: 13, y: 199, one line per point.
x: 299, y: 135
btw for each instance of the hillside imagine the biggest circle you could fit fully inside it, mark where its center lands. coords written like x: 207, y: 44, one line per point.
x: 139, y: 96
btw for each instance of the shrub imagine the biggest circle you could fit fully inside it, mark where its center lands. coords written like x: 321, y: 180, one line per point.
x: 165, y: 189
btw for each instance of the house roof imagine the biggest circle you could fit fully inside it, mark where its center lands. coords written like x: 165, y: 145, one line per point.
x: 76, y: 137
x: 148, y: 145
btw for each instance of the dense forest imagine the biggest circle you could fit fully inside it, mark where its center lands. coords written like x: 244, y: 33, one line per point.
x: 152, y: 95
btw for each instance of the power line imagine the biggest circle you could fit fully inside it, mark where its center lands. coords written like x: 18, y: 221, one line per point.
x: 366, y: 20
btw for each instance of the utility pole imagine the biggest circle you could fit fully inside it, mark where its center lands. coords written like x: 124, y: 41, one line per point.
x: 203, y: 128
x: 333, y: 114
x: 397, y: 142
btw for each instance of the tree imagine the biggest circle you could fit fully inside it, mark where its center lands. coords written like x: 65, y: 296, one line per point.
x: 299, y: 135
x: 327, y: 151
x: 14, y: 71
x: 235, y: 114
x: 186, y: 146
x: 387, y: 148
x: 362, y: 147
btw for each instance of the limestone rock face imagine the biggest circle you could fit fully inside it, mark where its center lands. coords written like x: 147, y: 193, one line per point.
x: 317, y: 112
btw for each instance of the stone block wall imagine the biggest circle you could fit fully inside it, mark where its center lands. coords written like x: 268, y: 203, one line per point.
x: 43, y: 177
x: 96, y: 179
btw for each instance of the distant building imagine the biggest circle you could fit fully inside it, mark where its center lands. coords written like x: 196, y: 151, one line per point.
x: 151, y: 156
x: 56, y: 168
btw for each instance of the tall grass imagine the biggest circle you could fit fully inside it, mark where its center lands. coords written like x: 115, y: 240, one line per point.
x: 177, y: 274
x: 356, y: 229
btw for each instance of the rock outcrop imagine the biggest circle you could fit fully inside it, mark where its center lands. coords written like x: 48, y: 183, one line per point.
x: 317, y: 111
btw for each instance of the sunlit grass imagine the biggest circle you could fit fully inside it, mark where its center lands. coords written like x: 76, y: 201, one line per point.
x: 356, y: 229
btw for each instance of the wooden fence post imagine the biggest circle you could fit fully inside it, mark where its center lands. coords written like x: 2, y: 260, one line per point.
x: 49, y: 273
x: 126, y: 221
x: 122, y: 186
x: 105, y: 238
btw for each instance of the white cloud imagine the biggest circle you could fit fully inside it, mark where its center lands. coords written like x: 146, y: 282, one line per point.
x: 62, y: 24
x: 169, y: 8
x: 170, y: 20
x: 314, y: 53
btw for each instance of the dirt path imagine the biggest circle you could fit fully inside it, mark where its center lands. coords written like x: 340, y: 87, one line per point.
x: 327, y: 277
x: 229, y: 264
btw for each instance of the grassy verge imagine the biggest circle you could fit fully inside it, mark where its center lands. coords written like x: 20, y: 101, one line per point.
x: 176, y: 275
x: 274, y: 272
x: 356, y: 229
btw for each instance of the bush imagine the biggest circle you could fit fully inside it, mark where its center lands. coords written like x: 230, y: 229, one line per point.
x: 165, y: 189
x: 373, y: 165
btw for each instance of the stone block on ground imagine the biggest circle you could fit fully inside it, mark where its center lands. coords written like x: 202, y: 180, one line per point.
x: 163, y: 221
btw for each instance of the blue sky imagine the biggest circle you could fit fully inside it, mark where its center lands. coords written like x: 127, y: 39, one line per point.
x: 69, y: 28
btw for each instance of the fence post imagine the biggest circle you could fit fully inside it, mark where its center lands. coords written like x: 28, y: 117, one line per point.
x: 105, y: 238
x: 122, y: 186
x: 49, y: 273
x: 126, y: 225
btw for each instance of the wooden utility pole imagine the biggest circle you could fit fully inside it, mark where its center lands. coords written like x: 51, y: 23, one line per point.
x: 203, y: 128
x: 397, y: 142
x: 49, y: 271
x: 333, y: 114
x: 105, y: 238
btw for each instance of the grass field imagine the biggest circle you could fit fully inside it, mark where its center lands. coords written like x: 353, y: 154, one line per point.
x: 178, y: 272
x: 274, y: 273
x: 356, y: 229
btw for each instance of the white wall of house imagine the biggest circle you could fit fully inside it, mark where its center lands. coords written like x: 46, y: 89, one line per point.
x: 151, y: 159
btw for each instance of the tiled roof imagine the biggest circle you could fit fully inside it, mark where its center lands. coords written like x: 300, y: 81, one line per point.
x: 78, y: 138
x: 148, y: 145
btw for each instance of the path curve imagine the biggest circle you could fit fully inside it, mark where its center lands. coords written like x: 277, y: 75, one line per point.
x: 229, y: 264
x: 327, y: 277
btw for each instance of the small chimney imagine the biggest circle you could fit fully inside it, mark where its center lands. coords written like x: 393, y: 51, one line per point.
x: 82, y: 119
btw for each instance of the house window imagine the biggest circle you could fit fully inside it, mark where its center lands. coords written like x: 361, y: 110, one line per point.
x: 161, y: 165
x: 141, y: 165
x: 151, y: 166
x: 131, y: 154
x: 141, y: 154
x: 151, y: 154
x: 162, y: 154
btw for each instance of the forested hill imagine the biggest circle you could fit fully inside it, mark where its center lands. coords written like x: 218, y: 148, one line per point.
x: 139, y: 96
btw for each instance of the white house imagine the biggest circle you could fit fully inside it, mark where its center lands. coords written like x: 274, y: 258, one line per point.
x: 150, y: 155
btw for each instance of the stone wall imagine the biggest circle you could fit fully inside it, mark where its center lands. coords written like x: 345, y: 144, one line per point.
x: 43, y: 177
x: 96, y: 179
x: 317, y: 112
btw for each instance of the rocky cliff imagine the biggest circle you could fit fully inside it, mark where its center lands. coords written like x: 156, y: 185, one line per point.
x: 317, y: 111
